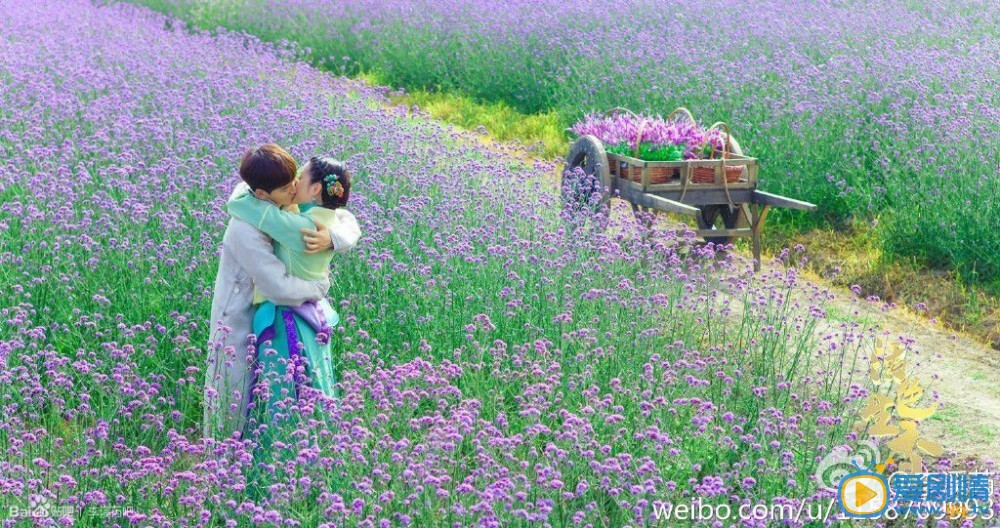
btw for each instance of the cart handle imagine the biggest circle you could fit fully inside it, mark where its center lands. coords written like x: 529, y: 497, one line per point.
x: 682, y: 110
x: 617, y: 110
x: 725, y: 149
x: 725, y: 146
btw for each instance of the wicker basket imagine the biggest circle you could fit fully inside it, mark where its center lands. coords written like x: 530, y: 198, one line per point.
x: 733, y: 173
x: 707, y: 174
x: 657, y: 175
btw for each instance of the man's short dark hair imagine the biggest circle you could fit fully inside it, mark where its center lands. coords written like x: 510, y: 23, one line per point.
x: 267, y: 167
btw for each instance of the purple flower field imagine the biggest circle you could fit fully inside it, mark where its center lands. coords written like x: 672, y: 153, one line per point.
x: 879, y: 112
x: 497, y: 367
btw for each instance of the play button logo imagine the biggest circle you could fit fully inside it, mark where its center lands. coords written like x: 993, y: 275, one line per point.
x: 863, y: 495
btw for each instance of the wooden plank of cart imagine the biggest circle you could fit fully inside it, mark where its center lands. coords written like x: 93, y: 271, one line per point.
x: 721, y: 194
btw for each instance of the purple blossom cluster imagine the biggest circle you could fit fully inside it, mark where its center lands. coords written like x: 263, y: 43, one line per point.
x: 655, y: 131
x: 496, y: 367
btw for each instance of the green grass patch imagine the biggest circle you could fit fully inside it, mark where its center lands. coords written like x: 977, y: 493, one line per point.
x: 543, y: 134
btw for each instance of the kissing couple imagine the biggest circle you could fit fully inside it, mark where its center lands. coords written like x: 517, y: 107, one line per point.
x: 271, y: 327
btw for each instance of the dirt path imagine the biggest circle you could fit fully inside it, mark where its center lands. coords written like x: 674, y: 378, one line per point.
x: 963, y: 372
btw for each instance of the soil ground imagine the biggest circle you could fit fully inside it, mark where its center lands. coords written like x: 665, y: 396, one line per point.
x: 963, y: 372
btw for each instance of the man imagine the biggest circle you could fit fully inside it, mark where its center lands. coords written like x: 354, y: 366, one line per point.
x: 248, y: 261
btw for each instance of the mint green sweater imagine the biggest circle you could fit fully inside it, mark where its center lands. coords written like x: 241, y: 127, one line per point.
x: 284, y: 227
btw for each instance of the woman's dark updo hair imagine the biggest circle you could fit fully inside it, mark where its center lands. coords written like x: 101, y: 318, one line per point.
x: 320, y: 168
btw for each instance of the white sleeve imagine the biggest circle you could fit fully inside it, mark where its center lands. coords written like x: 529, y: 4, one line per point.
x: 345, y: 232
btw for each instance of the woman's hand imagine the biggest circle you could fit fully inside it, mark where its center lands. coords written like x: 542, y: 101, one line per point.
x: 316, y: 240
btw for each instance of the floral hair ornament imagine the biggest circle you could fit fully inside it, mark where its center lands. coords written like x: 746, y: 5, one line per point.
x: 333, y: 187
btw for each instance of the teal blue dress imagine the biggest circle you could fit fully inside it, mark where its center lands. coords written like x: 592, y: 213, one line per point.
x: 287, y: 336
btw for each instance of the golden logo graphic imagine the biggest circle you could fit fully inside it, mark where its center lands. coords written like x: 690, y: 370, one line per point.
x: 896, y: 413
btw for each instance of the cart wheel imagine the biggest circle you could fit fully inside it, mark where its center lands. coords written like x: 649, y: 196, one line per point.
x: 590, y: 186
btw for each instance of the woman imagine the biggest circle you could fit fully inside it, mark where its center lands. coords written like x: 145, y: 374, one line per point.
x: 293, y: 342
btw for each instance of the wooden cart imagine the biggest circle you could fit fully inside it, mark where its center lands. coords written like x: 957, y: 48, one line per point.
x: 723, y: 207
